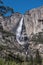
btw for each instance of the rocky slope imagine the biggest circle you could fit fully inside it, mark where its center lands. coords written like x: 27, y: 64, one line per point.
x: 17, y: 34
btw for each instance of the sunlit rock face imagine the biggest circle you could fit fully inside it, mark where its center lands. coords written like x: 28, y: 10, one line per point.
x: 15, y: 32
x: 10, y: 23
x: 28, y: 24
x: 35, y: 20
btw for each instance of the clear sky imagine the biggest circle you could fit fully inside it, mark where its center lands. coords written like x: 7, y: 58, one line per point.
x: 23, y: 5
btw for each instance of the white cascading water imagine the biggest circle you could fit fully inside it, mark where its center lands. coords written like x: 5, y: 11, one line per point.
x: 18, y: 32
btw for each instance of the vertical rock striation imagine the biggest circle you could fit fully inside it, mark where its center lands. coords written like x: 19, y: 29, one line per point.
x: 16, y: 32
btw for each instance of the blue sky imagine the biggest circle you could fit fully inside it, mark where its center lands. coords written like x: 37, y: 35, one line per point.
x: 23, y: 5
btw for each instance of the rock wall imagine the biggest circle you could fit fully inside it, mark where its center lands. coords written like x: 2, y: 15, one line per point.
x: 33, y: 21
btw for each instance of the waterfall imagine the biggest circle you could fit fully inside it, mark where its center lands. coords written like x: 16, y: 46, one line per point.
x: 18, y: 32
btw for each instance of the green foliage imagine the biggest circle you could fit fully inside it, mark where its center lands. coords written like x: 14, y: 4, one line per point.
x: 1, y: 2
x: 31, y: 59
x: 38, y: 59
x: 11, y: 60
x: 4, y: 9
x: 38, y: 37
x: 14, y: 62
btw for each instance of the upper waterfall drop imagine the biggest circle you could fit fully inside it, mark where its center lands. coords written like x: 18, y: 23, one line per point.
x: 19, y: 29
x: 19, y: 32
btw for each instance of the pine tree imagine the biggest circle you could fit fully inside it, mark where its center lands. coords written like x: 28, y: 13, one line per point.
x: 4, y: 9
x: 1, y: 2
x: 31, y: 60
x: 38, y: 59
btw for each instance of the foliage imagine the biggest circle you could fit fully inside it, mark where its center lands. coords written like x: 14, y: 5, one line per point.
x: 9, y: 61
x: 5, y: 9
x: 31, y: 59
x: 13, y: 62
x: 1, y: 2
x: 38, y: 59
x: 38, y: 37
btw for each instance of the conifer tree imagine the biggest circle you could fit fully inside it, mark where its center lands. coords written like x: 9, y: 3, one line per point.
x: 5, y: 9
x: 38, y: 59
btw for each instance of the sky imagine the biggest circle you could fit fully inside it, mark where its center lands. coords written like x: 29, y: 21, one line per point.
x: 22, y: 6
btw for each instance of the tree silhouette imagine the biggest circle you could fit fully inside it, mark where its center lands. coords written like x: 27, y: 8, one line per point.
x: 31, y: 60
x: 38, y: 59
x: 1, y: 2
x: 5, y: 9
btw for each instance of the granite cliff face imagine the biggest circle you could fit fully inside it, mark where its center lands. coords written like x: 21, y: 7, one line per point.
x: 17, y: 34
